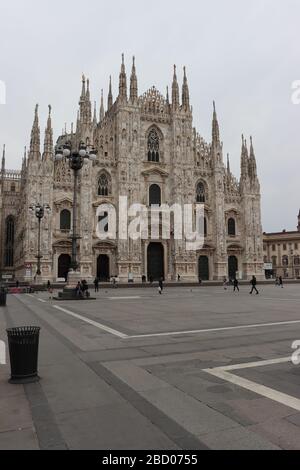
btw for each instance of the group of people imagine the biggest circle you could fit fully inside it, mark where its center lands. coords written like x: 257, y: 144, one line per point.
x: 82, y: 289
x: 235, y: 284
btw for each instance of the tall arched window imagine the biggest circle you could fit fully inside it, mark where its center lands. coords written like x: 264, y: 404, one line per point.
x: 154, y: 195
x: 104, y: 188
x: 200, y: 192
x: 65, y: 220
x: 9, y: 241
x: 231, y: 227
x: 285, y: 260
x: 274, y: 261
x: 153, y: 146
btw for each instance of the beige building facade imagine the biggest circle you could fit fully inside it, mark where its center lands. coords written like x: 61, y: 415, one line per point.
x: 282, y: 253
x: 148, y: 150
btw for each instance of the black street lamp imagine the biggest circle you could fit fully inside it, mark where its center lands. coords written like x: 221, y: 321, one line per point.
x: 76, y: 158
x: 39, y: 211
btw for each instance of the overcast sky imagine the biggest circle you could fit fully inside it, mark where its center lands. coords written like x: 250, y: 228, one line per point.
x: 242, y: 54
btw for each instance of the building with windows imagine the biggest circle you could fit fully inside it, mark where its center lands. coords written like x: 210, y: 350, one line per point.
x: 148, y: 150
x: 282, y: 253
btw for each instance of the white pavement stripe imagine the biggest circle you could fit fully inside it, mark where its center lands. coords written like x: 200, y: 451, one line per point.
x: 92, y: 322
x: 42, y: 300
x: 267, y: 392
x: 212, y: 330
x: 249, y: 365
x: 124, y: 298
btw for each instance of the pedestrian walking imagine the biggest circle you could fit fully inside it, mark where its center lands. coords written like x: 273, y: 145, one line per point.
x: 277, y: 282
x: 236, y: 285
x: 96, y: 284
x: 160, y: 285
x: 178, y: 277
x: 253, y: 282
x: 280, y: 282
x: 225, y: 283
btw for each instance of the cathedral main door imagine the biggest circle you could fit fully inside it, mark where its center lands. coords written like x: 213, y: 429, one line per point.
x: 103, y: 268
x: 155, y: 261
x: 232, y: 267
x: 64, y: 263
x: 203, y: 268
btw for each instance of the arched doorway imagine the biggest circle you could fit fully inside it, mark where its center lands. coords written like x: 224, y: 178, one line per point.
x: 64, y: 263
x: 103, y: 268
x: 232, y: 267
x: 203, y: 268
x: 155, y: 261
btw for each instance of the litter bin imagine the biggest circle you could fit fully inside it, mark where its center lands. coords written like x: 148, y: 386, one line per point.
x: 23, y: 344
x: 2, y: 297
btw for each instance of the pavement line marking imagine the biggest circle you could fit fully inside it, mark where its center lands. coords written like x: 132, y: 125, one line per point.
x: 211, y: 330
x: 42, y: 300
x: 249, y: 365
x: 124, y: 298
x: 91, y: 322
x: 267, y: 392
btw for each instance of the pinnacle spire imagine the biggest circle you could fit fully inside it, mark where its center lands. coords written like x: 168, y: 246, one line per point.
x: 123, y: 81
x: 48, y: 141
x: 133, y: 82
x: 3, y: 159
x: 228, y: 164
x: 101, y: 107
x: 95, y: 114
x: 215, y: 127
x: 35, y: 136
x: 185, y: 92
x: 175, y: 90
x: 167, y: 96
x: 110, y: 96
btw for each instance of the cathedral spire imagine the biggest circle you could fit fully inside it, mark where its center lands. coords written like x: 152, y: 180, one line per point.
x: 110, y: 96
x: 82, y: 98
x: 95, y: 114
x: 215, y: 128
x: 228, y: 164
x: 101, y: 107
x: 133, y: 83
x: 88, y: 102
x: 244, y: 159
x: 48, y: 141
x: 35, y: 136
x: 252, y: 161
x: 175, y: 91
x: 185, y: 92
x: 167, y: 96
x: 3, y: 162
x: 123, y: 81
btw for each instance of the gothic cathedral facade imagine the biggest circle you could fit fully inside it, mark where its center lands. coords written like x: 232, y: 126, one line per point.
x: 149, y: 151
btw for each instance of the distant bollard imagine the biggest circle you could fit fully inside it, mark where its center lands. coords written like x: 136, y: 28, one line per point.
x: 23, y: 344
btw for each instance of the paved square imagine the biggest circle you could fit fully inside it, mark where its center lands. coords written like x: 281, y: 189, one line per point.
x: 194, y: 368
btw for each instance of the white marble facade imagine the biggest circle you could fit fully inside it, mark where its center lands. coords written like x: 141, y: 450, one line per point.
x: 147, y: 148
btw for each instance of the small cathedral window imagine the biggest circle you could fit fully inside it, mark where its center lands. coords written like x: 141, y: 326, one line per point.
x: 231, y: 227
x: 153, y: 146
x: 65, y: 220
x: 200, y: 193
x: 103, y: 185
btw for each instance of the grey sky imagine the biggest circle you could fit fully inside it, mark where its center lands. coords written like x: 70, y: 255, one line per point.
x: 244, y: 54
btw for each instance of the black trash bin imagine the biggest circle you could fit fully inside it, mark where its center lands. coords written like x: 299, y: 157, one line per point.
x: 2, y: 297
x: 23, y: 344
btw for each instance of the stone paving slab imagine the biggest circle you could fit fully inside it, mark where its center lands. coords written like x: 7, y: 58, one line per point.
x: 100, y: 391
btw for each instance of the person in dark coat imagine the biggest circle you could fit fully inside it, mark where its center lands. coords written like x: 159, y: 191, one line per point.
x: 253, y: 282
x: 280, y: 282
x: 236, y: 285
x: 96, y: 284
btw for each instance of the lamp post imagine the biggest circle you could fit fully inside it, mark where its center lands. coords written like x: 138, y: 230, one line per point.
x: 76, y: 158
x: 39, y: 211
x: 292, y: 261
